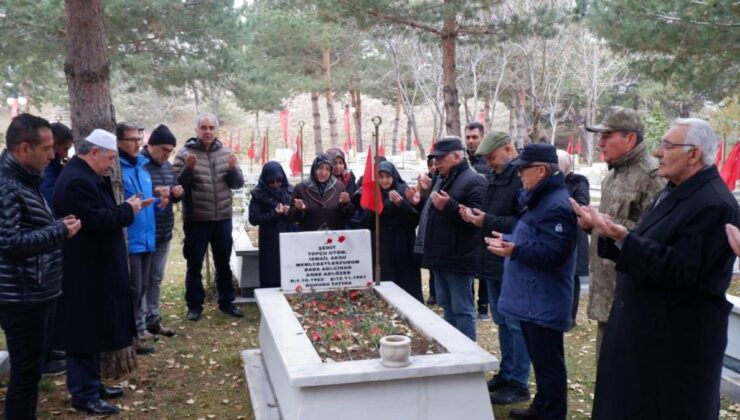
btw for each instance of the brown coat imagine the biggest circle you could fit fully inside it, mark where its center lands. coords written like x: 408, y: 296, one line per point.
x: 208, y: 186
x: 319, y: 210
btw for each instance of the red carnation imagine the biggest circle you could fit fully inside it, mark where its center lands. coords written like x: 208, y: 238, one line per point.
x: 341, y: 238
x: 328, y: 240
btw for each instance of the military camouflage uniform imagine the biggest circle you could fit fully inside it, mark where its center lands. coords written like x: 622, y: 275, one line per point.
x: 627, y: 191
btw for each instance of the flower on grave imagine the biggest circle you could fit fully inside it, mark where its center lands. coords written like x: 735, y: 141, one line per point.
x: 299, y: 289
x: 341, y: 238
x: 335, y: 311
x: 347, y: 322
x: 354, y: 294
x: 370, y: 284
x: 336, y: 336
x: 322, y: 307
x: 329, y: 240
x: 330, y: 323
x: 375, y: 331
x: 315, y: 336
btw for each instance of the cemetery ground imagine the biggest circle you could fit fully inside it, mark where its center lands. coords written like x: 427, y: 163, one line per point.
x: 198, y: 373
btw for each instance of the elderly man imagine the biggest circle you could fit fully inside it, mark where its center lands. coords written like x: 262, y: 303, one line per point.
x: 500, y: 212
x: 96, y: 308
x: 474, y: 133
x: 30, y: 258
x: 538, y: 276
x: 158, y: 150
x: 667, y: 330
x: 208, y: 172
x: 627, y: 191
x: 447, y: 242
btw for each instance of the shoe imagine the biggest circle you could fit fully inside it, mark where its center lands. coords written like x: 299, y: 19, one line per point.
x: 529, y: 413
x: 232, y: 311
x: 146, y: 335
x: 142, y: 348
x: 193, y: 315
x: 432, y: 300
x: 54, y: 367
x: 160, y: 329
x: 97, y: 407
x: 496, y: 383
x: 509, y: 395
x: 483, y: 316
x: 57, y: 355
x: 110, y: 392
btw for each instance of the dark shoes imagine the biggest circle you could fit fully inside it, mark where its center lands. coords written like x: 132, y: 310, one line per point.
x: 496, y: 383
x: 193, y: 315
x: 110, y: 392
x: 57, y: 355
x: 529, y: 413
x: 97, y: 407
x: 231, y: 310
x: 483, y: 313
x: 142, y: 348
x: 510, y: 395
x: 159, y: 329
x: 54, y: 367
x: 432, y: 300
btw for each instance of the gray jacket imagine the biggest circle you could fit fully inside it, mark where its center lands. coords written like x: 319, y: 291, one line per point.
x: 208, y: 186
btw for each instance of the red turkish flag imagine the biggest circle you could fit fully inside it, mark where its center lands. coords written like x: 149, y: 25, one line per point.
x: 402, y: 145
x: 570, y: 146
x: 369, y: 191
x: 296, y: 164
x: 250, y: 151
x: 284, y: 125
x: 578, y: 145
x: 731, y: 168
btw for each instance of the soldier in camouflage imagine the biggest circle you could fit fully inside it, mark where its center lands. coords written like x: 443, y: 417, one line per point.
x: 626, y: 192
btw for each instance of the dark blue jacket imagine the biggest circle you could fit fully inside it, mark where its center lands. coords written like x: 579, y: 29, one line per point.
x: 49, y: 178
x: 162, y: 175
x: 538, y: 277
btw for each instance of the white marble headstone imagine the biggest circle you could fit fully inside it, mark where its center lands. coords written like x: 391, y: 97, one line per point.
x: 325, y: 259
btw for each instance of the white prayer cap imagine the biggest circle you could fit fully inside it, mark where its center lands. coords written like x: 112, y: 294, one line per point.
x: 103, y: 139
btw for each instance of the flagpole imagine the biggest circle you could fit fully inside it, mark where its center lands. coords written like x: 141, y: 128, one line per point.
x: 300, y: 125
x: 377, y: 121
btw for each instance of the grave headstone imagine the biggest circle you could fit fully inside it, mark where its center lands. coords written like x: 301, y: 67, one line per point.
x: 325, y: 259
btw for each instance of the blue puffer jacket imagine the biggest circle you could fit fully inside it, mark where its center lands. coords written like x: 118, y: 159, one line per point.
x: 538, y: 277
x: 136, y: 179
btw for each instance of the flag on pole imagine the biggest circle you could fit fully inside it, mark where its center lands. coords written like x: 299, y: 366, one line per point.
x: 578, y: 145
x: 263, y: 150
x: 402, y: 145
x: 416, y: 142
x: 284, y: 125
x: 570, y: 146
x: 731, y: 168
x: 381, y: 152
x: 296, y: 164
x: 250, y: 151
x: 368, y: 199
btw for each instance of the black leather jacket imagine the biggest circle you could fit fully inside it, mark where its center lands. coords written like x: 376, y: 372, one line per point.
x: 30, y: 238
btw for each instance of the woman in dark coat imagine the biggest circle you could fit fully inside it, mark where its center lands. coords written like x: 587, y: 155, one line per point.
x: 398, y: 221
x: 340, y: 170
x: 320, y: 201
x: 268, y: 209
x: 577, y: 186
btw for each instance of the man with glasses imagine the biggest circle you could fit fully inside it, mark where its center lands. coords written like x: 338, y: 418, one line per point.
x: 208, y: 171
x: 159, y: 148
x: 667, y: 332
x: 537, y: 288
x: 448, y: 243
x: 626, y: 192
x: 140, y: 234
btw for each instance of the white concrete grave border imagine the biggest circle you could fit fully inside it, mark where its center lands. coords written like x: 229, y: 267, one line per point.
x: 438, y: 386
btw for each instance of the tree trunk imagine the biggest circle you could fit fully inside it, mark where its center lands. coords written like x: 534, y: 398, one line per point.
x: 449, y: 73
x: 521, y: 117
x: 196, y: 98
x: 409, y: 134
x: 397, y: 119
x: 87, y: 69
x: 512, y: 123
x: 486, y: 114
x: 333, y: 135
x: 316, y: 122
x: 357, y: 104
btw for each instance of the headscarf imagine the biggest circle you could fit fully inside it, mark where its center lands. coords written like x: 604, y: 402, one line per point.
x: 313, y: 183
x: 335, y: 152
x: 270, y: 171
x: 398, y: 183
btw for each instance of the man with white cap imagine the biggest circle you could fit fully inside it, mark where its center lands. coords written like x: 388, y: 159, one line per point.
x: 95, y: 310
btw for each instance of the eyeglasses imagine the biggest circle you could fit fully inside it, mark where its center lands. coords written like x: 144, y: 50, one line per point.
x: 522, y: 168
x: 666, y: 145
x: 166, y: 152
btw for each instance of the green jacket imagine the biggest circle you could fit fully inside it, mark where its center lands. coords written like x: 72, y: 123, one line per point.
x: 626, y: 192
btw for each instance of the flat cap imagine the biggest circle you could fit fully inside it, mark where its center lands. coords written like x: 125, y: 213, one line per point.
x: 618, y: 118
x: 446, y: 145
x: 536, y: 152
x: 492, y: 141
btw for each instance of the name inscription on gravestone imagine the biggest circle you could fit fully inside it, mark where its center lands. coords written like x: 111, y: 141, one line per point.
x: 325, y: 259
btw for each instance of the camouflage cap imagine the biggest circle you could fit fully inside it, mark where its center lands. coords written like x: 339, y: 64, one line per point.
x: 492, y: 141
x: 619, y: 118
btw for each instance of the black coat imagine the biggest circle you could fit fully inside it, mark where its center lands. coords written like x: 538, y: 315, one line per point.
x: 30, y: 238
x: 450, y: 242
x: 662, y: 353
x: 577, y: 186
x: 162, y: 175
x: 501, y: 205
x: 398, y: 262
x: 262, y: 213
x: 95, y: 310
